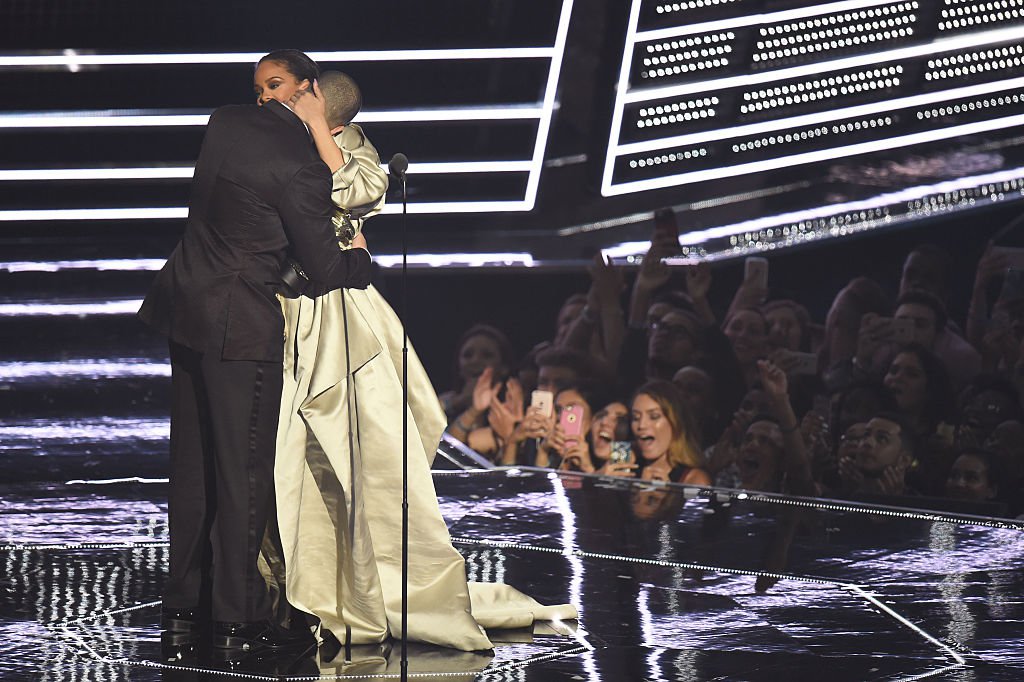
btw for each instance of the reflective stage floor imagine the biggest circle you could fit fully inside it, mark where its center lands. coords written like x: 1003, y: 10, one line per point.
x: 671, y: 584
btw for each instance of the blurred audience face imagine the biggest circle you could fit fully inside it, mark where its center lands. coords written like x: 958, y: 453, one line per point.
x: 923, y: 318
x: 983, y: 413
x: 881, y: 447
x: 656, y: 311
x: 923, y: 271
x: 760, y: 457
x: 784, y: 329
x: 568, y: 314
x: 908, y: 382
x: 476, y: 354
x: 609, y: 424
x: 969, y: 479
x: 746, y: 331
x: 698, y: 391
x: 571, y: 396
x: 554, y: 377
x: 754, y: 402
x: 1007, y: 442
x: 652, y: 430
x: 851, y: 440
x: 672, y: 339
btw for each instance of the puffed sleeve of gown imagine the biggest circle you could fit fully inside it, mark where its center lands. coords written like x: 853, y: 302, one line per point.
x: 361, y: 180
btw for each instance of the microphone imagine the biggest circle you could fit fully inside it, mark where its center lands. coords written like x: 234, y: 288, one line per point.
x: 398, y: 165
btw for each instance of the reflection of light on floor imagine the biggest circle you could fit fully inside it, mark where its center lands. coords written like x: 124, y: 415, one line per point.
x: 99, y: 429
x: 40, y: 309
x: 85, y: 369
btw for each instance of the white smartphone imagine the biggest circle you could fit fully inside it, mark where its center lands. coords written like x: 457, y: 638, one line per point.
x: 755, y: 271
x: 544, y: 400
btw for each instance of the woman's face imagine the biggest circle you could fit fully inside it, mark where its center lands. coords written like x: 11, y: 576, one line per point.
x: 602, y: 429
x: 476, y: 354
x: 651, y: 428
x: 908, y: 382
x: 851, y: 440
x: 673, y: 339
x: 746, y: 332
x: 783, y: 328
x: 273, y: 81
x: 969, y: 480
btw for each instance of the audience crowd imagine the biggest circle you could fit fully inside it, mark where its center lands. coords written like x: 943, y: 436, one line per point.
x: 885, y: 398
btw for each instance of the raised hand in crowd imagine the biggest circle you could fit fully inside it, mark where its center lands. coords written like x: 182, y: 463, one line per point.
x: 600, y: 326
x: 991, y: 266
x: 698, y: 286
x: 535, y: 425
x: 504, y: 415
x: 796, y: 462
x: 874, y: 335
x: 484, y: 392
x: 653, y: 273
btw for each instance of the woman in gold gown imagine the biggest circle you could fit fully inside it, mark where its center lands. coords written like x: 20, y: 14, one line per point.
x: 338, y: 472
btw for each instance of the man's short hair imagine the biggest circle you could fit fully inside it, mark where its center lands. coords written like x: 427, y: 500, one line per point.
x: 907, y: 436
x: 343, y: 97
x: 928, y: 299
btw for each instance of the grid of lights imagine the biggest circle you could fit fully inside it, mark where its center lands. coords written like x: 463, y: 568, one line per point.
x: 540, y: 112
x: 958, y: 14
x: 803, y: 109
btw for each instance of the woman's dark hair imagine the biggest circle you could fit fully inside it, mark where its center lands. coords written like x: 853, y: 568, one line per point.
x: 494, y: 334
x: 940, y: 389
x: 883, y: 397
x: 295, y: 62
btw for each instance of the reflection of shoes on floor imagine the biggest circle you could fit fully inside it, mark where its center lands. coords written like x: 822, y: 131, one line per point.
x: 259, y: 635
x: 177, y: 647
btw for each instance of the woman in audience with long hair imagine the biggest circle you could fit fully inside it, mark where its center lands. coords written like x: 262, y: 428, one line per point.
x: 665, y: 436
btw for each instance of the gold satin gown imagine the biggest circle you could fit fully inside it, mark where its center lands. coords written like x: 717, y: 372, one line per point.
x: 338, y: 472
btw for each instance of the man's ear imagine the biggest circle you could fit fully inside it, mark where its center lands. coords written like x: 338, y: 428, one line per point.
x: 337, y: 129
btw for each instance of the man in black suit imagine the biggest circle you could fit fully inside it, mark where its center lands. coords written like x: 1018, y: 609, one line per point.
x: 260, y: 193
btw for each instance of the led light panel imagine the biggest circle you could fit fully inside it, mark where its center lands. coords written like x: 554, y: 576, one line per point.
x: 530, y: 164
x: 738, y: 93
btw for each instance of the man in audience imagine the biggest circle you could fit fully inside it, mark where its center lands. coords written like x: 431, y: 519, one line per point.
x: 882, y: 458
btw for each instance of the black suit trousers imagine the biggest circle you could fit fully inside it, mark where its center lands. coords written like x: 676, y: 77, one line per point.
x: 224, y: 417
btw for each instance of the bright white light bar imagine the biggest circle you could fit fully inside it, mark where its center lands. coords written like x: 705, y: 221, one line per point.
x: 627, y: 249
x: 39, y: 309
x: 108, y: 264
x: 185, y: 172
x: 74, y: 119
x: 548, y: 106
x: 84, y: 369
x: 472, y: 260
x: 179, y: 212
x: 759, y: 19
x: 814, y: 156
x: 935, y: 47
x: 821, y: 117
x: 70, y: 58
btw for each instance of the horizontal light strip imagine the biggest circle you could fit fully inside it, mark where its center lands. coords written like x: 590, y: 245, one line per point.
x: 185, y: 172
x: 84, y: 369
x: 72, y: 119
x: 179, y: 212
x: 637, y: 248
x: 70, y: 58
x: 817, y: 155
x: 40, y: 309
x: 758, y: 19
x: 821, y: 116
x: 971, y: 40
x: 472, y: 260
x: 107, y: 264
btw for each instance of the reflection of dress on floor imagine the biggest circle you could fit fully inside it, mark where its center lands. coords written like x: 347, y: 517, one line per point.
x: 339, y: 488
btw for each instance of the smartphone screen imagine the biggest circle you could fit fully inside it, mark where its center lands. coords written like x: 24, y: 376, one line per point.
x: 620, y: 451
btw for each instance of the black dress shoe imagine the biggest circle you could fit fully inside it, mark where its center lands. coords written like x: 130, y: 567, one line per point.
x: 259, y: 635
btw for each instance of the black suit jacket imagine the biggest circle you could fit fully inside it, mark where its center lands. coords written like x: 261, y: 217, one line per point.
x: 260, y: 192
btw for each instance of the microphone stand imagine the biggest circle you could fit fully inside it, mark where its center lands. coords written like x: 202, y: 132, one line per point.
x: 398, y: 166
